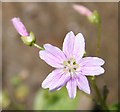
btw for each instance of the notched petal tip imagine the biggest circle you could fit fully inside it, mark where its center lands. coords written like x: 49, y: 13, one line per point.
x: 83, y: 84
x: 71, y: 32
x: 80, y: 35
x: 40, y: 54
x: 92, y: 71
x: 79, y: 46
x: 68, y: 44
x: 43, y: 85
x: 72, y: 98
x: 92, y: 61
x: 100, y: 60
x: 46, y: 45
x: 54, y: 89
x: 102, y: 70
x: 87, y: 91
x: 71, y: 88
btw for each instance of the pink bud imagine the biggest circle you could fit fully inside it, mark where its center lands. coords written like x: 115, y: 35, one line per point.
x: 82, y: 10
x: 19, y: 26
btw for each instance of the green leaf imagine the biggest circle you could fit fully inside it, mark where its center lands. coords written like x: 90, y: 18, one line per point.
x: 58, y: 100
x: 29, y: 40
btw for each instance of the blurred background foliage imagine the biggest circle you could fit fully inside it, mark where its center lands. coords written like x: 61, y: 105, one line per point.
x: 23, y: 71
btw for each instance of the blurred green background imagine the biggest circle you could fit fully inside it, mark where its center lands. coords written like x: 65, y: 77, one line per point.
x: 22, y: 69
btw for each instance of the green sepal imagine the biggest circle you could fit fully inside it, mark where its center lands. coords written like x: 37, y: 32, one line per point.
x: 95, y: 18
x: 29, y: 40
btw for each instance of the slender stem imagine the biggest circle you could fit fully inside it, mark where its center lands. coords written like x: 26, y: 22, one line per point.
x: 97, y: 90
x: 98, y: 94
x: 41, y: 48
x: 99, y: 39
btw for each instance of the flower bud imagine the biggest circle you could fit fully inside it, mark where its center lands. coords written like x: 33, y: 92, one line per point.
x: 82, y: 10
x: 29, y: 40
x: 19, y: 26
x: 95, y: 18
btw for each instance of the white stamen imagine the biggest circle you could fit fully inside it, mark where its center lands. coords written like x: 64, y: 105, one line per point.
x: 71, y: 66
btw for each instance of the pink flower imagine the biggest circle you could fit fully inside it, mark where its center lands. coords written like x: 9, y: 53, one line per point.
x: 71, y: 69
x: 19, y: 26
x: 82, y: 10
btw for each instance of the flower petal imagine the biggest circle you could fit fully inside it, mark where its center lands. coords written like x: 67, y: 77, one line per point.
x: 68, y: 44
x: 79, y: 46
x: 59, y: 82
x: 50, y: 58
x: 55, y: 51
x: 71, y: 87
x: 83, y: 84
x: 91, y: 61
x: 92, y: 71
x: 51, y: 77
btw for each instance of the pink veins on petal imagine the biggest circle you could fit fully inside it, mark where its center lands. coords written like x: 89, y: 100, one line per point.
x: 70, y: 68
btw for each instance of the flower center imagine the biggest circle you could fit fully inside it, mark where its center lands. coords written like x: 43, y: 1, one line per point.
x: 71, y: 66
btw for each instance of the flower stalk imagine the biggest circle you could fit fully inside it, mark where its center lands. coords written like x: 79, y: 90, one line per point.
x: 99, y: 39
x: 98, y: 94
x: 29, y: 40
x: 39, y: 47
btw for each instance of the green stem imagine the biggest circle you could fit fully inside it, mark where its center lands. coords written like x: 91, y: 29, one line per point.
x: 99, y: 39
x: 41, y: 48
x: 98, y: 94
